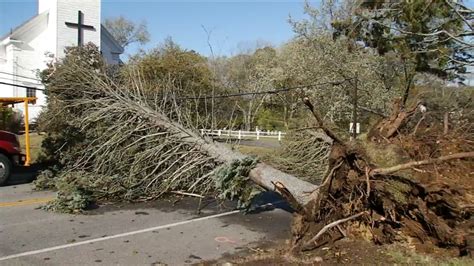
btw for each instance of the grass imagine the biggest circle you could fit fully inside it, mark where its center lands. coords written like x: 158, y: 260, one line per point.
x: 409, y: 257
x: 260, y: 152
x: 35, y: 145
x: 386, y: 156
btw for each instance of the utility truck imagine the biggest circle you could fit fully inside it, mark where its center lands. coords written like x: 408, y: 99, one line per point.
x: 10, y: 150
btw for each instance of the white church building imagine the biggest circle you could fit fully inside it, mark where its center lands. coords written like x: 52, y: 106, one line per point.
x: 26, y: 49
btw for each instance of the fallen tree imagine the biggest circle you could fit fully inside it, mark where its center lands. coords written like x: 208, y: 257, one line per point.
x: 136, y: 144
x: 119, y: 140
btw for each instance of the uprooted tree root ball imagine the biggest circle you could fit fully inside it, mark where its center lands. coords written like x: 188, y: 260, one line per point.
x: 385, y: 203
x: 393, y: 203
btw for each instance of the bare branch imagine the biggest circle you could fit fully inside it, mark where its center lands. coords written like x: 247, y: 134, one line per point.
x: 318, y: 118
x: 396, y: 168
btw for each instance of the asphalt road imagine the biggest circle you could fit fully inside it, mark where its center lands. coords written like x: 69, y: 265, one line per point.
x: 162, y: 232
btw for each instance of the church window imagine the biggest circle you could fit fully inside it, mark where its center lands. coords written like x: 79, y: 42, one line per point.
x: 30, y: 93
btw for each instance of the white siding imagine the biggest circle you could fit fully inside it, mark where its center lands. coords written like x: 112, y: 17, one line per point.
x: 48, y: 34
x: 51, y: 24
x: 29, y: 62
x: 7, y: 66
x: 67, y: 12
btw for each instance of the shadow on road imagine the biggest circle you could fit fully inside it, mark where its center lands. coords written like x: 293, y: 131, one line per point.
x: 269, y: 200
x: 26, y: 174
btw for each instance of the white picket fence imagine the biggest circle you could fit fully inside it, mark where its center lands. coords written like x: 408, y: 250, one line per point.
x: 241, y: 134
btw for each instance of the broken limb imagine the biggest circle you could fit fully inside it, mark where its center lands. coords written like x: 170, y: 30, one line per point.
x: 396, y: 168
x: 318, y: 118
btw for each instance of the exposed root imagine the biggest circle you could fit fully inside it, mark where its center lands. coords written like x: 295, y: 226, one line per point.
x: 312, y: 241
x: 389, y: 127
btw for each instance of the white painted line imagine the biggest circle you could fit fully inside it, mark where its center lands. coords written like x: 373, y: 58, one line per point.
x: 39, y: 251
x: 34, y: 252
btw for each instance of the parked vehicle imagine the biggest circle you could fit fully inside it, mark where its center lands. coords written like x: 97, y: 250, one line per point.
x: 10, y: 155
x: 10, y: 152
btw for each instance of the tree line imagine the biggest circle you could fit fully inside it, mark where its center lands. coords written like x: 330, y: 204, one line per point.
x: 376, y: 50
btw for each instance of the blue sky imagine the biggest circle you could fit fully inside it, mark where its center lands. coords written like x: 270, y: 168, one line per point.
x: 234, y: 25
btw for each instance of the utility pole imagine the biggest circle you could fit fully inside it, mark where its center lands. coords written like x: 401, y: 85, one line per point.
x: 354, y: 112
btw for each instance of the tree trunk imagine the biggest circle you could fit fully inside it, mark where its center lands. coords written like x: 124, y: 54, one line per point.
x: 390, y: 126
x: 263, y: 174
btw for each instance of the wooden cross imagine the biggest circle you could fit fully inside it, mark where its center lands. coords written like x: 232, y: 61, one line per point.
x: 80, y: 27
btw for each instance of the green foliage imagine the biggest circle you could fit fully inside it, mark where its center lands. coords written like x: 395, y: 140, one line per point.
x: 413, y: 29
x: 412, y: 37
x: 186, y: 70
x: 254, y: 72
x: 190, y: 75
x: 322, y: 60
x: 269, y: 119
x: 73, y: 194
x: 233, y: 182
x: 304, y: 154
x: 439, y: 100
x: 442, y: 99
x: 45, y: 180
x: 106, y: 137
x: 64, y: 84
x: 10, y: 120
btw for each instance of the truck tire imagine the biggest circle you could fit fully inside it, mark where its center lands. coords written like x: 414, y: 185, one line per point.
x: 5, y: 169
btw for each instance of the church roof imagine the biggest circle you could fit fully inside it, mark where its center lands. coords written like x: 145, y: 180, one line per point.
x: 25, y: 26
x: 118, y: 48
x: 42, y: 19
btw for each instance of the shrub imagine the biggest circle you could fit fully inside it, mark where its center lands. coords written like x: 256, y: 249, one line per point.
x: 10, y: 120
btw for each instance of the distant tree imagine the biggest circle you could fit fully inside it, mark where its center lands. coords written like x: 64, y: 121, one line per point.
x: 127, y: 32
x: 433, y: 37
x: 250, y: 73
x: 436, y: 35
x: 429, y: 36
x: 186, y: 69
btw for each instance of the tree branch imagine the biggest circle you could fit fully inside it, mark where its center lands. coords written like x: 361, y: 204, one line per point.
x: 459, y: 14
x: 316, y: 115
x: 375, y: 112
x: 396, y: 168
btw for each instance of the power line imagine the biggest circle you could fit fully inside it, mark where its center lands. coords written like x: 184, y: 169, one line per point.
x: 21, y: 86
x: 19, y: 76
x: 220, y: 96
x: 25, y: 82
x: 275, y: 91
